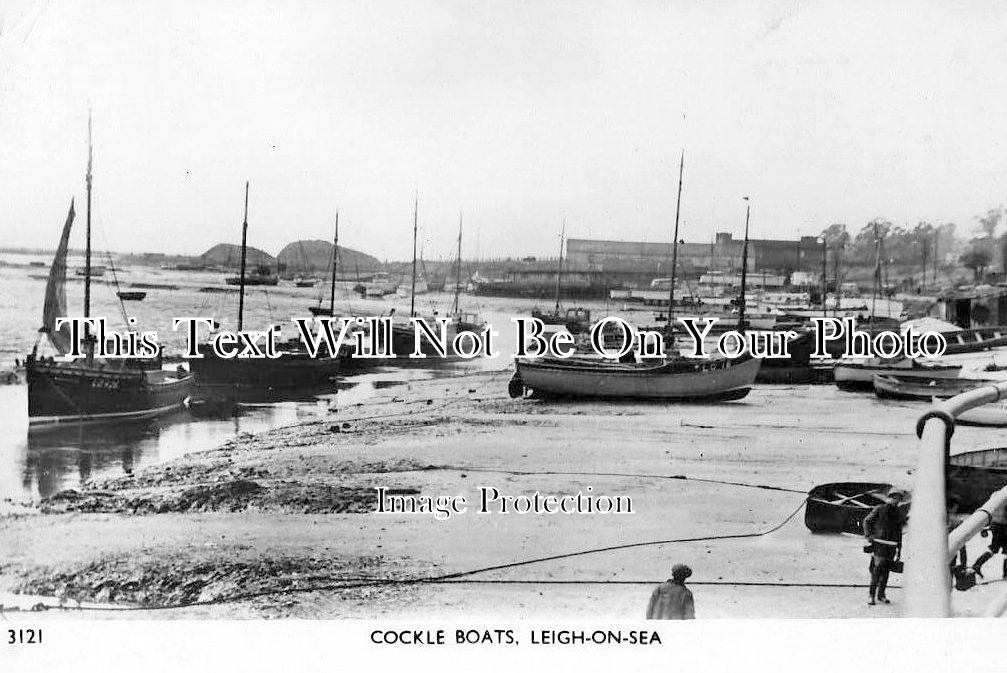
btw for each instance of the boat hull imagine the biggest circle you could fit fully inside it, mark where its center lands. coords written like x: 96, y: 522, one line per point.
x: 841, y: 507
x: 859, y: 376
x: 68, y: 392
x: 679, y: 381
x: 922, y: 388
x: 290, y: 370
x: 974, y: 476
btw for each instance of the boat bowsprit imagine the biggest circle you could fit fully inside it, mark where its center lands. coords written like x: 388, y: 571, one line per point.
x: 674, y: 380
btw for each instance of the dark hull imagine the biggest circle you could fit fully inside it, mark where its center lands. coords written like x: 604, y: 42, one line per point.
x: 290, y: 370
x: 841, y: 507
x: 974, y: 476
x: 61, y: 393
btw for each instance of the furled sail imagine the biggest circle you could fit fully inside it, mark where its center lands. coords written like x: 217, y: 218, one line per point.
x: 55, y: 292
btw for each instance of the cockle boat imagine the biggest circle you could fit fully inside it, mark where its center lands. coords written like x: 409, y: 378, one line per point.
x: 91, y: 389
x: 295, y: 367
x: 674, y: 380
x: 857, y: 374
x: 841, y: 507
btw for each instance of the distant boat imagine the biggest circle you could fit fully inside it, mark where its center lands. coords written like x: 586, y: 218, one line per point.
x: 576, y: 320
x: 97, y: 271
x: 841, y: 507
x: 857, y: 374
x: 131, y: 295
x: 674, y: 380
x: 330, y: 310
x: 91, y: 389
x: 262, y: 275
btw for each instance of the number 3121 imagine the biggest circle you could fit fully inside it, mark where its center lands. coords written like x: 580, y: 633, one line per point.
x: 24, y: 636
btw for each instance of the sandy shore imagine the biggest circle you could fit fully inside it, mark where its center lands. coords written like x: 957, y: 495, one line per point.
x: 262, y: 520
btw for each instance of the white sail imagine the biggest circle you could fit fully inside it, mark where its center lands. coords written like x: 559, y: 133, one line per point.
x: 55, y: 292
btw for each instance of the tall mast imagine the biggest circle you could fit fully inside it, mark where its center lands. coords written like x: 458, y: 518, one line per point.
x: 244, y: 248
x: 458, y: 266
x: 744, y: 266
x: 877, y: 272
x: 674, y: 243
x: 412, y: 293
x: 87, y: 253
x: 335, y: 262
x: 559, y: 266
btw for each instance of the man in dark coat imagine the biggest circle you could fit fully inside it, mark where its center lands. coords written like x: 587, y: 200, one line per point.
x: 883, y: 530
x: 672, y: 600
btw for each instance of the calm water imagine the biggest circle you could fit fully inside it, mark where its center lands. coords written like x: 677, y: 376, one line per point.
x: 39, y: 463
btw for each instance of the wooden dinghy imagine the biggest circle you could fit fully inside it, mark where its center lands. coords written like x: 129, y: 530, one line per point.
x: 858, y: 374
x: 896, y: 387
x: 676, y: 380
x: 841, y: 507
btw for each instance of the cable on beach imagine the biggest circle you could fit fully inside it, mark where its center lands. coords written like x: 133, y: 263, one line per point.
x: 459, y: 577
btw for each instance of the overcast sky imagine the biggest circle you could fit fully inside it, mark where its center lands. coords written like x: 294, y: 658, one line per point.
x: 521, y: 113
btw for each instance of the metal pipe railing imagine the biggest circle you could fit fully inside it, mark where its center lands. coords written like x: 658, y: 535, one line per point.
x: 927, y: 549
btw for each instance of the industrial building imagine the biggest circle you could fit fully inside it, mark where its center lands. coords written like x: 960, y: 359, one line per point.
x: 637, y: 263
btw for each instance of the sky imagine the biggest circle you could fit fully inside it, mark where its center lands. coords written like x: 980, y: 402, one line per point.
x: 518, y: 115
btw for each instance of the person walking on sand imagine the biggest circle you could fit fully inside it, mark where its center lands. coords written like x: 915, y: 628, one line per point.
x: 672, y: 600
x: 998, y: 541
x: 883, y: 530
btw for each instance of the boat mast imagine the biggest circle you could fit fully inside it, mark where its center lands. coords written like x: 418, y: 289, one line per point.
x: 335, y: 262
x: 241, y: 278
x: 674, y: 244
x: 412, y: 293
x: 559, y: 265
x: 458, y: 267
x: 877, y: 272
x: 744, y: 266
x: 87, y: 249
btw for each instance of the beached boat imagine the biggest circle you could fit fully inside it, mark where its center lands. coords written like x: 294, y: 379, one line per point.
x: 464, y: 321
x: 975, y: 340
x: 294, y: 367
x: 857, y: 374
x: 896, y: 387
x: 674, y: 380
x: 91, y: 389
x: 841, y: 507
x: 973, y: 476
x: 131, y: 295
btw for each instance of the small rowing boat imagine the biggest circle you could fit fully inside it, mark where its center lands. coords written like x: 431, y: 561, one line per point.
x: 841, y: 507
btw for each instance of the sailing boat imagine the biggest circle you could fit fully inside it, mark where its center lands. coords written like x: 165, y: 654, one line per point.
x: 465, y: 321
x: 330, y: 311
x: 674, y: 379
x: 576, y: 320
x: 404, y: 334
x: 92, y: 389
x: 294, y: 367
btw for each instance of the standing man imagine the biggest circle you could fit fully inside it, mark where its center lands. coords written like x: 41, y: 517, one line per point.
x: 998, y: 543
x: 672, y: 600
x: 883, y: 530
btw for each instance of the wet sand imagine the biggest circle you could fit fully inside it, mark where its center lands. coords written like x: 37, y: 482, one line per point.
x: 266, y: 518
